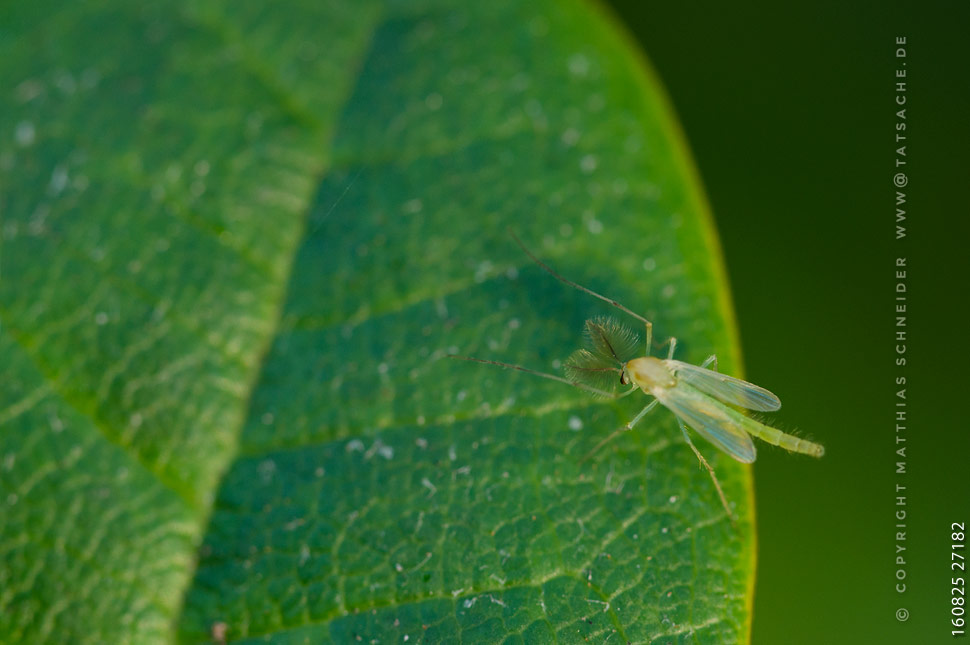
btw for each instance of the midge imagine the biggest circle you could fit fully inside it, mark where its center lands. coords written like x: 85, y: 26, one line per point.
x: 699, y: 397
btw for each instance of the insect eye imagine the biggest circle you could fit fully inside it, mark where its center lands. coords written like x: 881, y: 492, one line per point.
x: 623, y: 379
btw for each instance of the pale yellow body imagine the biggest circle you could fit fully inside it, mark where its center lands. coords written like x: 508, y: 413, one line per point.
x: 717, y: 422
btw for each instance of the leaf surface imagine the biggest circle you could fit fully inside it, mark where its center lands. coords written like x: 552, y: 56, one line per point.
x: 238, y: 240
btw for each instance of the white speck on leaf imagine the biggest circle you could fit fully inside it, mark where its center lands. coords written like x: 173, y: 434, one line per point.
x: 58, y: 180
x: 578, y: 65
x: 29, y: 90
x: 90, y: 78
x: 433, y: 101
x: 519, y: 82
x: 24, y: 134
x: 386, y: 452
x: 266, y: 469
x: 533, y: 109
x: 65, y: 82
x: 595, y: 102
x: 482, y: 271
x: 379, y: 448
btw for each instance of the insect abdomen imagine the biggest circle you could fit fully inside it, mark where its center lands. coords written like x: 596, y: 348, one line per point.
x: 793, y: 444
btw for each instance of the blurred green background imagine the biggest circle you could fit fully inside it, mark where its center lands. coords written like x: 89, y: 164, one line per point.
x: 789, y: 112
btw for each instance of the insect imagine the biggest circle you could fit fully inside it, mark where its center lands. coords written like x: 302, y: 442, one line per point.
x: 699, y: 397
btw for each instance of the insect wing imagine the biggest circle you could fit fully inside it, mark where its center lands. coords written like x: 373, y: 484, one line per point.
x: 713, y: 421
x: 725, y: 388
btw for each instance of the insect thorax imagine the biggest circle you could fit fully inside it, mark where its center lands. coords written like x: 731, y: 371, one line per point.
x: 650, y: 373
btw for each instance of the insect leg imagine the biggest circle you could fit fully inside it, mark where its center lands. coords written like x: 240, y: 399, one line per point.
x: 673, y: 348
x: 622, y: 429
x: 710, y: 359
x: 706, y: 465
x: 672, y: 343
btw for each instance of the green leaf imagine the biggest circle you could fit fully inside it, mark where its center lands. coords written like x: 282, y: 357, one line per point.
x: 238, y: 240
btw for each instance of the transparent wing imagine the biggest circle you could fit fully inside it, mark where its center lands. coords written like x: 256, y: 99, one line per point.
x: 725, y: 388
x: 714, y: 421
